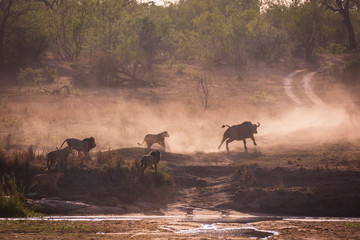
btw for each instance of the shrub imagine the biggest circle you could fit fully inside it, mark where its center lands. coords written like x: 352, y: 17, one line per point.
x: 8, y: 140
x: 106, y: 69
x: 12, y: 200
x: 3, y: 159
x: 29, y: 76
x: 180, y: 68
x: 80, y: 74
x: 261, y: 97
x: 51, y: 74
x: 351, y: 71
x: 333, y: 49
x: 163, y: 178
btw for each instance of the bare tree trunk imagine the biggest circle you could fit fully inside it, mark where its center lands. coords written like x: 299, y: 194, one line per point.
x: 343, y: 9
x: 204, y: 84
x: 2, y: 30
x: 352, y: 41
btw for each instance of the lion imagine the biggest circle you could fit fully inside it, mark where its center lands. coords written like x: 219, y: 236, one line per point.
x: 84, y: 145
x: 57, y: 158
x: 150, y: 139
x: 152, y: 159
x: 46, y: 179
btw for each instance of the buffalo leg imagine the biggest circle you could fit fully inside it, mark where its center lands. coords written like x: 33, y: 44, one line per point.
x: 252, y: 137
x: 227, y: 143
x: 244, y: 141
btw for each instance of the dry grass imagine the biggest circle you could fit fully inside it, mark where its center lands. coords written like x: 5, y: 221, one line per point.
x: 18, y: 160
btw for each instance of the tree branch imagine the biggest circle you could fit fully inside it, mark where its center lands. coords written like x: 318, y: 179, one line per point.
x: 48, y: 4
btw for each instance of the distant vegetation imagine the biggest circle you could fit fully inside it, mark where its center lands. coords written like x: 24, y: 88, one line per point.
x: 120, y: 40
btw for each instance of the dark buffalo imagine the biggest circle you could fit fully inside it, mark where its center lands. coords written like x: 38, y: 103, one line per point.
x: 239, y: 132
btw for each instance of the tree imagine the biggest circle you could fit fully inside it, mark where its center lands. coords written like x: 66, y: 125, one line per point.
x: 148, y: 40
x: 69, y: 26
x: 305, y: 26
x: 22, y: 34
x: 5, y: 7
x: 342, y: 7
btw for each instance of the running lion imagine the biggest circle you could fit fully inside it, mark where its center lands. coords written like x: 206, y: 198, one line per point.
x: 150, y: 139
x: 48, y: 180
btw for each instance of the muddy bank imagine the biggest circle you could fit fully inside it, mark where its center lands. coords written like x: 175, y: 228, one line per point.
x: 302, y: 192
x: 244, y: 182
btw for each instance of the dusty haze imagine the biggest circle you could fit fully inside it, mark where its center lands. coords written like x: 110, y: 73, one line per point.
x: 121, y: 118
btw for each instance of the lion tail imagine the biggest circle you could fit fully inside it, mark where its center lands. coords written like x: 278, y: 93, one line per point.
x: 141, y: 143
x: 63, y: 143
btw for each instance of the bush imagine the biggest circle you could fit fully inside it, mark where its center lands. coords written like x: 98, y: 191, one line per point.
x: 12, y: 199
x: 19, y: 161
x: 51, y: 74
x: 333, y: 49
x: 351, y: 71
x: 29, y: 76
x: 180, y: 68
x: 106, y: 69
x: 261, y: 97
x: 163, y: 178
x: 80, y: 75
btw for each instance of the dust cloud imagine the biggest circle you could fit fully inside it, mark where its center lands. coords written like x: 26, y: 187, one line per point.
x: 119, y: 122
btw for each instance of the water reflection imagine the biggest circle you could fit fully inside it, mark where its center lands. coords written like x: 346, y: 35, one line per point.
x: 212, y: 230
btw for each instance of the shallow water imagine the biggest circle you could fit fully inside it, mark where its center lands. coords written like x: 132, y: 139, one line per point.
x: 187, y: 218
x: 212, y: 230
x: 210, y: 225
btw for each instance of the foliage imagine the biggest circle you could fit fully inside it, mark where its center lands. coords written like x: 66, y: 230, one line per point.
x: 23, y: 36
x: 12, y: 200
x: 51, y: 74
x: 19, y: 160
x: 162, y: 178
x: 80, y: 74
x: 29, y: 76
x: 68, y: 28
x: 261, y: 97
x: 333, y: 49
x: 351, y: 71
x: 121, y: 40
x: 180, y: 68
